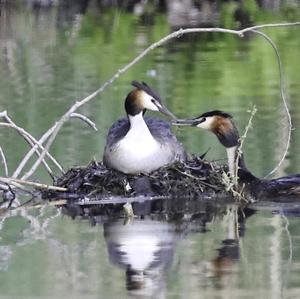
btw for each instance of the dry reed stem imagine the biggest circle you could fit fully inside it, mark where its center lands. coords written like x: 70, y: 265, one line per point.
x: 121, y: 71
x: 33, y: 184
x: 58, y: 202
x: 242, y: 139
x: 231, y: 182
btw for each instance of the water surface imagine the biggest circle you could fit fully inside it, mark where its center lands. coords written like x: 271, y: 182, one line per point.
x: 48, y: 60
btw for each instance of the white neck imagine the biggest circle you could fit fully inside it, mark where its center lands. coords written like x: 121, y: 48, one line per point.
x: 138, y: 125
x: 231, y: 156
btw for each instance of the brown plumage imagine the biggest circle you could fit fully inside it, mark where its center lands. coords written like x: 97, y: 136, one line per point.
x: 222, y: 125
x: 135, y: 144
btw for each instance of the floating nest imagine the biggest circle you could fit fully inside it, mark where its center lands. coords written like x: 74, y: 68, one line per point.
x: 193, y: 179
x: 174, y: 191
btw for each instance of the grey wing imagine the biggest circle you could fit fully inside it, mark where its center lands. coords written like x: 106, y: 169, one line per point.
x: 117, y: 131
x: 161, y: 130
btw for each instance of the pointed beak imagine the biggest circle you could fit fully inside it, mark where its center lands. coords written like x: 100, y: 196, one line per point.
x: 165, y: 111
x: 186, y: 122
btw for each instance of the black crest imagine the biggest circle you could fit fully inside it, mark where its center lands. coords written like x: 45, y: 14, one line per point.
x: 215, y: 113
x: 145, y: 87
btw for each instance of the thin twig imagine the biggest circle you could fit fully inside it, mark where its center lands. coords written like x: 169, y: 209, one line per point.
x: 231, y: 182
x: 15, y: 184
x: 121, y: 71
x: 4, y: 161
x: 28, y: 137
x: 285, y: 104
x: 31, y: 152
x: 9, y: 187
x: 41, y: 141
x: 242, y: 139
x: 59, y: 202
x: 198, y: 179
x: 13, y: 197
x: 85, y: 119
x: 263, y: 26
x: 33, y: 184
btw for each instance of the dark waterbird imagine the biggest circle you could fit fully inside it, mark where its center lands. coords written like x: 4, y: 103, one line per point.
x: 223, y: 126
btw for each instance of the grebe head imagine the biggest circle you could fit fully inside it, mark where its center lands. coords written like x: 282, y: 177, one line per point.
x: 222, y: 125
x: 143, y: 98
x: 218, y: 122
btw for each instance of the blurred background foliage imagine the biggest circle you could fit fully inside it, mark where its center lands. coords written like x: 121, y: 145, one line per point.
x: 53, y: 53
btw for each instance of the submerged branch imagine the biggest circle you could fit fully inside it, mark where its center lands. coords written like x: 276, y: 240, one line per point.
x: 164, y: 40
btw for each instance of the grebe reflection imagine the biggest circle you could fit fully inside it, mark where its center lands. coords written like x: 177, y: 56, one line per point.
x: 144, y: 249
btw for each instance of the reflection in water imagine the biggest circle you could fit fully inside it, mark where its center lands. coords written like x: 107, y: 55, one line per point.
x: 207, y: 250
x: 50, y: 58
x: 228, y: 253
x: 144, y: 249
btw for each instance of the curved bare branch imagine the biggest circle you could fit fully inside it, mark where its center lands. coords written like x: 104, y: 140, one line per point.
x: 164, y: 40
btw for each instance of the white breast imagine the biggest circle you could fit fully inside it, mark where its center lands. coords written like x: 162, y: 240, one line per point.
x: 138, y: 151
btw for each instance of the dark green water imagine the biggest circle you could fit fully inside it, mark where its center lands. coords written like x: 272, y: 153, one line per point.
x: 47, y: 62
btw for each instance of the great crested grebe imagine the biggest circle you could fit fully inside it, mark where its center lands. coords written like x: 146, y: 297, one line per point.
x: 222, y: 125
x: 136, y: 144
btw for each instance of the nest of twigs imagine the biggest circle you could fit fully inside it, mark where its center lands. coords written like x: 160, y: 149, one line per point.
x: 194, y: 178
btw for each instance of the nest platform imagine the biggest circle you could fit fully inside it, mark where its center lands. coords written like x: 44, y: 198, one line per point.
x: 193, y: 179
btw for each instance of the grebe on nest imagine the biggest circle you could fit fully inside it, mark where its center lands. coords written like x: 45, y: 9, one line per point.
x: 136, y: 144
x: 222, y: 125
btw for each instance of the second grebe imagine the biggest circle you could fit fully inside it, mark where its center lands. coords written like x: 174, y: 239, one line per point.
x: 135, y: 144
x: 222, y: 125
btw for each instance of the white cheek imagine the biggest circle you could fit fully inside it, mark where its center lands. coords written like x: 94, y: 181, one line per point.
x: 147, y: 102
x: 207, y: 124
